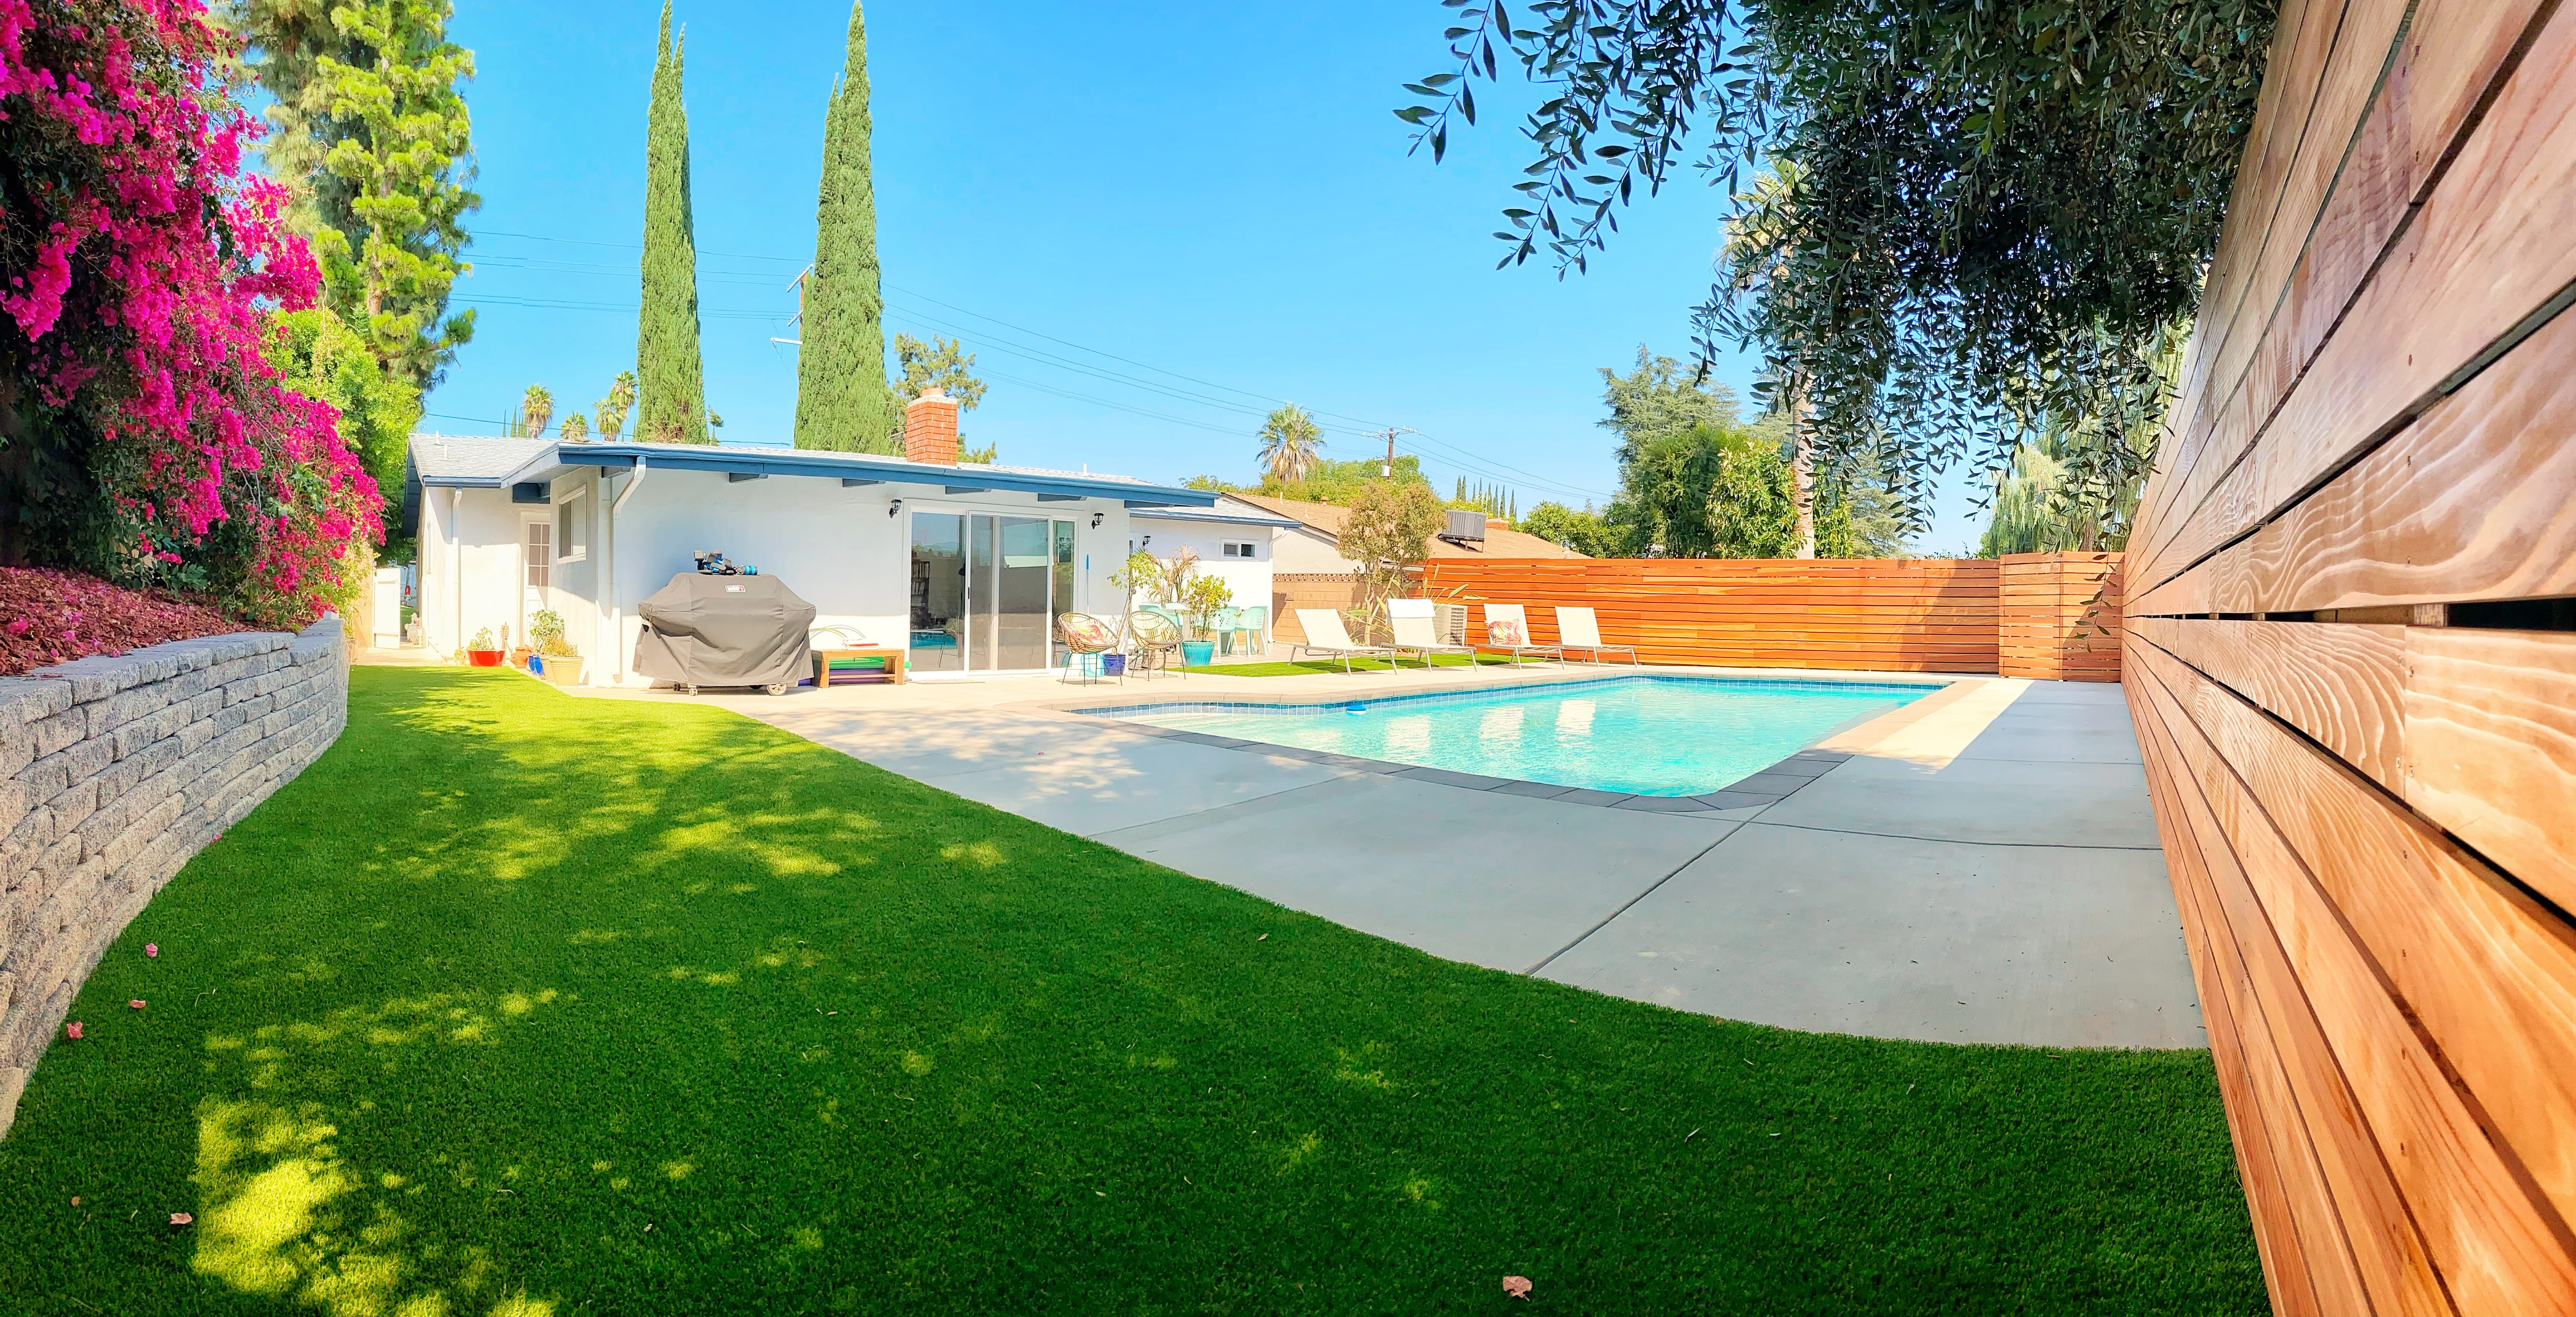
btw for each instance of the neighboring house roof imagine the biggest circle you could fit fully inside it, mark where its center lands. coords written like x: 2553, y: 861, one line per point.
x: 486, y: 462
x: 1326, y: 519
x: 1228, y: 516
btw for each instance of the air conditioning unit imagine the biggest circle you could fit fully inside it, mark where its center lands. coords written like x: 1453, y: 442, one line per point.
x: 1468, y: 525
x: 1449, y: 623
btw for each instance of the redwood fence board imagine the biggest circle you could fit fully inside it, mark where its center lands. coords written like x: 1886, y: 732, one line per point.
x: 2369, y: 814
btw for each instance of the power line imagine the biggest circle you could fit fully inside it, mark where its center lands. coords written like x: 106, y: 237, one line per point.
x: 1452, y: 455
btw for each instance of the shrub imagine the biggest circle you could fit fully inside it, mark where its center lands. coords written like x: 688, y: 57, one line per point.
x: 143, y: 435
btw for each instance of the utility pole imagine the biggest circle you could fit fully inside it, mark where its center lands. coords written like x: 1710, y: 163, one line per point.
x: 1389, y: 434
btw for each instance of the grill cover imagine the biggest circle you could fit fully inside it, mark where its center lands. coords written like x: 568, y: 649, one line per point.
x: 724, y: 631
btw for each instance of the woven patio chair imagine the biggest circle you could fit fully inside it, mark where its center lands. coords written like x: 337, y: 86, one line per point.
x: 1085, y: 639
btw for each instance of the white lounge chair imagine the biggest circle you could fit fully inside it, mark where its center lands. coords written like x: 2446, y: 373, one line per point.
x: 1577, y: 628
x: 1411, y: 620
x: 1325, y: 636
x: 1507, y: 628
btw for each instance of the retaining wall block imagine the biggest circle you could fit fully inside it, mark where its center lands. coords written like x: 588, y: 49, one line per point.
x: 114, y: 772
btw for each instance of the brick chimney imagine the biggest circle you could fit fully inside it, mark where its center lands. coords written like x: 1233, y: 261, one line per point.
x: 930, y: 428
x: 1493, y: 524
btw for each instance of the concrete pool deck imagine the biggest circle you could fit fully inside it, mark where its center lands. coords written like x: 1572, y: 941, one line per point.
x: 1978, y: 866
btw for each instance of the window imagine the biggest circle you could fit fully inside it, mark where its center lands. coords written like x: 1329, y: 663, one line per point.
x: 572, y: 529
x: 540, y: 553
x: 1240, y: 549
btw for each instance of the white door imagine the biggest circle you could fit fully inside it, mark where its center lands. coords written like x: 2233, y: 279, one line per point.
x: 538, y: 556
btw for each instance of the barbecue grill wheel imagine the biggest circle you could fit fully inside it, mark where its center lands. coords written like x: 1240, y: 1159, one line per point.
x: 776, y: 688
x: 689, y: 687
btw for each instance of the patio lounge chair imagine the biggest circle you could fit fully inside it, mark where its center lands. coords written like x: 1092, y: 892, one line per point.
x: 1507, y: 628
x: 1325, y: 636
x: 1577, y: 628
x: 1411, y: 620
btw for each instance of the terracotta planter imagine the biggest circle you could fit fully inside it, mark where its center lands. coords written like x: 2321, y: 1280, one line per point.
x: 563, y: 669
x: 483, y: 658
x: 519, y: 657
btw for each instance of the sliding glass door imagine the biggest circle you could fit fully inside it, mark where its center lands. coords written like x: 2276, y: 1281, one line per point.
x: 986, y: 589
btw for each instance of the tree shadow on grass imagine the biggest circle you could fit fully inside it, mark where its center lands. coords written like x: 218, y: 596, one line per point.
x: 289, y: 1213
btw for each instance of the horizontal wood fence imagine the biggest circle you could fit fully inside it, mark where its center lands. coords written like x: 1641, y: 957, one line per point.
x: 2060, y: 616
x: 2365, y: 772
x: 1885, y: 615
x: 1290, y: 591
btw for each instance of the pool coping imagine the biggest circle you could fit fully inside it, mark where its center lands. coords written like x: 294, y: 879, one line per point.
x: 1765, y: 786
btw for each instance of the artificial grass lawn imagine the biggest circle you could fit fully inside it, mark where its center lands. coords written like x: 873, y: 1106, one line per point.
x: 516, y: 1003
x: 1304, y: 667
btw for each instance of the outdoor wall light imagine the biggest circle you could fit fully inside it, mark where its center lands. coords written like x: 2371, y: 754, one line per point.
x: 1097, y: 518
x: 894, y: 507
x: 1145, y: 543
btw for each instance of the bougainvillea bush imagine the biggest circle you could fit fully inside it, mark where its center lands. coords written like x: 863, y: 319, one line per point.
x: 50, y: 616
x: 142, y: 435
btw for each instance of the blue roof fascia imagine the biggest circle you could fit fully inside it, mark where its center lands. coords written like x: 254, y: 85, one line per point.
x: 794, y: 462
x: 1228, y: 518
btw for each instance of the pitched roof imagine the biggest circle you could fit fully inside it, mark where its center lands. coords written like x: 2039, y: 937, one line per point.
x: 1326, y: 519
x: 472, y: 457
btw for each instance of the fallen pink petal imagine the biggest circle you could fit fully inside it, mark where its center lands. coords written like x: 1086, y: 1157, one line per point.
x: 1516, y: 1286
x: 72, y: 1029
x: 182, y: 1219
x: 136, y: 1004
x: 151, y: 948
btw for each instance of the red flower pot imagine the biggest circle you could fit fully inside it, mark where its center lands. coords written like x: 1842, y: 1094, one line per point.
x: 483, y: 658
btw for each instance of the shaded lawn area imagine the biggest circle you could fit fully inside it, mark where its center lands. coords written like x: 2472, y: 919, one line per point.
x: 1305, y: 667
x: 516, y: 1003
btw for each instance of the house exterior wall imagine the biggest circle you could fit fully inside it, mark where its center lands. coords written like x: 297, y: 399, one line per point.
x: 835, y: 546
x: 1303, y: 552
x: 1248, y: 578
x: 469, y: 565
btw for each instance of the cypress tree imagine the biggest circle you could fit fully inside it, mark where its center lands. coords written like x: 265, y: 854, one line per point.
x: 671, y: 404
x: 842, y: 399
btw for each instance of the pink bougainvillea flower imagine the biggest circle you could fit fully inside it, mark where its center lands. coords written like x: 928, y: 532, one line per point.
x: 73, y: 1029
x: 1516, y: 1286
x: 136, y: 1004
x: 182, y: 1219
x: 151, y: 948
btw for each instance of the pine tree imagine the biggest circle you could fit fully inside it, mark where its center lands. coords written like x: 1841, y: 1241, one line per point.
x: 842, y: 399
x: 671, y: 406
x: 374, y: 141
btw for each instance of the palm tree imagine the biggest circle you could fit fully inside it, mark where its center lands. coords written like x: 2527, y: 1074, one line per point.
x: 1288, y: 443
x: 613, y: 408
x: 536, y: 408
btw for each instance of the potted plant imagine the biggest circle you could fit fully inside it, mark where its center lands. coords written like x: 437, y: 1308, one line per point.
x: 1201, y: 597
x: 482, y: 651
x: 560, y: 664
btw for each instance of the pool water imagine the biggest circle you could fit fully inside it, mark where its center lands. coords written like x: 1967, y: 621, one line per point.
x: 1647, y: 736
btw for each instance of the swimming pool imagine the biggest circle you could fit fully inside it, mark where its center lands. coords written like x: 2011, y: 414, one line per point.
x: 1646, y: 736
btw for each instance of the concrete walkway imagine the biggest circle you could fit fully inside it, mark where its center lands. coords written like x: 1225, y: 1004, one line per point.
x: 1981, y: 867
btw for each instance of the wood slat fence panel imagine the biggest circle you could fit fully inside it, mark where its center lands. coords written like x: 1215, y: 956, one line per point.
x: 1898, y: 615
x: 2060, y: 616
x: 2371, y: 820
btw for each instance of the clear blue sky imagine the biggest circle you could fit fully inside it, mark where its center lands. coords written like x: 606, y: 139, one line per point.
x: 1218, y: 194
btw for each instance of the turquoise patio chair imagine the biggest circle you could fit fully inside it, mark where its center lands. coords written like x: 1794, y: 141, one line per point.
x: 1228, y: 620
x: 1252, y: 626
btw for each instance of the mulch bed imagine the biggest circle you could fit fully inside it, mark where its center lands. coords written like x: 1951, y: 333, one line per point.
x: 49, y: 616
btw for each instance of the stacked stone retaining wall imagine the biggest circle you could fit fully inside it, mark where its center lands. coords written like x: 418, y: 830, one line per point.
x: 113, y: 773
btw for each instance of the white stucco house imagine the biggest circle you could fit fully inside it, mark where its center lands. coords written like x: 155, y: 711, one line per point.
x: 1231, y: 541
x: 964, y: 567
